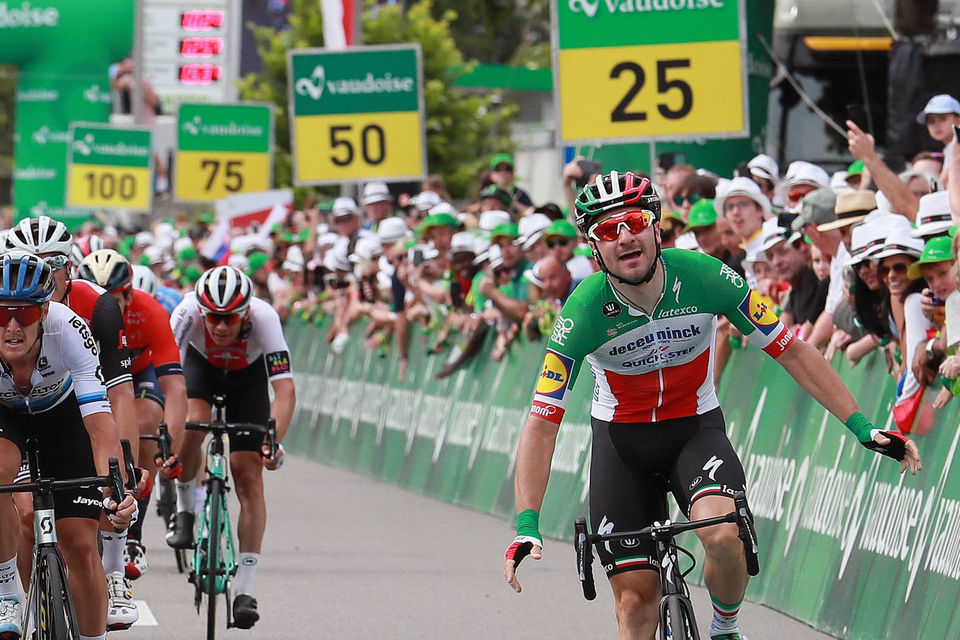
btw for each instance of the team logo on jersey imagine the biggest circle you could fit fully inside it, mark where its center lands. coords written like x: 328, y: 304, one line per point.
x: 42, y: 363
x: 278, y: 362
x: 760, y: 312
x: 611, y: 309
x: 561, y: 328
x: 555, y: 375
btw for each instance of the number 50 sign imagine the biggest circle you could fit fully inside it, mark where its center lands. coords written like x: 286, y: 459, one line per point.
x: 357, y: 114
x: 636, y: 70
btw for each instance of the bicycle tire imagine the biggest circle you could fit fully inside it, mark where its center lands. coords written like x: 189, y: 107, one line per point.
x: 213, y: 555
x: 676, y: 615
x: 60, y: 619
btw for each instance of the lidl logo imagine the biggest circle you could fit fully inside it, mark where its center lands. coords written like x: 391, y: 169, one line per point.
x: 760, y: 312
x: 555, y: 374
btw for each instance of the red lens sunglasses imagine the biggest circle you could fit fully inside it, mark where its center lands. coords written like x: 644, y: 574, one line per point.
x: 636, y: 220
x: 25, y: 316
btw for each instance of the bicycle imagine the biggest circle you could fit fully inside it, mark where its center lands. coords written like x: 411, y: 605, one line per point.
x: 677, y: 621
x: 49, y: 607
x: 167, y: 501
x: 214, y: 560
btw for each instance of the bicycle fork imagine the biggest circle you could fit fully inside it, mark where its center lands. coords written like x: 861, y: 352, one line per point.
x: 675, y: 600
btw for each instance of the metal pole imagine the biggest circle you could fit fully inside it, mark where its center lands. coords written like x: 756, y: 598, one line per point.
x: 136, y: 91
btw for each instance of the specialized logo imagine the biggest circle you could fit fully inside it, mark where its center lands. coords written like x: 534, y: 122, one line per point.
x: 759, y: 312
x: 676, y: 290
x: 555, y: 375
x: 561, y: 328
x: 711, y: 467
x: 611, y: 309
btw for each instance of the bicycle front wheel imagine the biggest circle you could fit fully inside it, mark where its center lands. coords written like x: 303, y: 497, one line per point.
x: 213, y: 554
x: 58, y: 620
x: 676, y: 619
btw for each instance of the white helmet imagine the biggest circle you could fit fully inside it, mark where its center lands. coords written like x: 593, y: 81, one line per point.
x: 224, y: 290
x: 145, y: 280
x: 107, y: 268
x: 40, y: 235
x: 84, y: 246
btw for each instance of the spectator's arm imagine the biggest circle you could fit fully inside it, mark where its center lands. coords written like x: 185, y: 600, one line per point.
x: 862, y: 147
x: 822, y: 330
x: 510, y: 307
x: 571, y: 171
x: 862, y: 347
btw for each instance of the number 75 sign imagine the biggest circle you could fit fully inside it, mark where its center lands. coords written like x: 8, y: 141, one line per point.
x: 638, y: 70
x: 223, y: 149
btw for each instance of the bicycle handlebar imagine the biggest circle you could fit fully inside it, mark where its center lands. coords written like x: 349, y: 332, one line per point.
x: 163, y: 440
x: 269, y: 430
x: 113, y: 479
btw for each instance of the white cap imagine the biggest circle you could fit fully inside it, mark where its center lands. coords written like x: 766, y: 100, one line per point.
x: 491, y: 219
x: 426, y: 200
x: 932, y: 180
x: 375, y: 192
x: 393, y: 229
x: 934, y: 215
x: 238, y: 261
x: 326, y: 240
x: 428, y: 250
x: 180, y: 244
x: 763, y: 166
x: 531, y: 229
x: 443, y: 207
x: 900, y: 240
x: 343, y: 206
x: 165, y: 233
x: 773, y: 234
x: 941, y: 103
x: 336, y: 258
x: 154, y: 255
x: 463, y: 242
x: 867, y: 239
x: 294, y: 260
x: 480, y: 245
x: 367, y: 248
x: 742, y: 187
x: 143, y: 239
x: 802, y: 172
x: 494, y: 256
x: 838, y: 180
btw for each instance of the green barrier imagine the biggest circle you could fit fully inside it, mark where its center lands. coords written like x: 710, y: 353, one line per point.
x: 847, y: 544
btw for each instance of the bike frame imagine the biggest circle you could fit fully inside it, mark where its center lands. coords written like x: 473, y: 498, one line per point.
x: 227, y: 565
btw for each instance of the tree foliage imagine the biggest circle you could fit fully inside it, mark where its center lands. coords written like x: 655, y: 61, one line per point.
x: 463, y: 128
x: 494, y: 31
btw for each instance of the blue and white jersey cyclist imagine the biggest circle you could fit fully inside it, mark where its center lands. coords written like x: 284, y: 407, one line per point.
x: 52, y: 390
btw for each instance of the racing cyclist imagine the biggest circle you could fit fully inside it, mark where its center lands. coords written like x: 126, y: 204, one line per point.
x: 146, y: 280
x: 232, y: 344
x: 159, y: 387
x: 50, y: 240
x: 646, y: 324
x: 52, y: 389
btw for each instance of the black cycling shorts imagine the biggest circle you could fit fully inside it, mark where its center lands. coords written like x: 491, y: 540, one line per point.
x: 634, y: 465
x: 246, y: 390
x: 147, y: 386
x: 64, y: 453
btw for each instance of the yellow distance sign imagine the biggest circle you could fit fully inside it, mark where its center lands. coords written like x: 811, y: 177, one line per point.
x: 210, y: 175
x: 651, y: 91
x: 91, y: 185
x: 331, y: 148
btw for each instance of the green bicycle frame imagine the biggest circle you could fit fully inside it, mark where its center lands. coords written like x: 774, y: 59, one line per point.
x: 226, y: 560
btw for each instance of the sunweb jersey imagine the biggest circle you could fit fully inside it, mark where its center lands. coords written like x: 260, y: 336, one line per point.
x: 656, y: 367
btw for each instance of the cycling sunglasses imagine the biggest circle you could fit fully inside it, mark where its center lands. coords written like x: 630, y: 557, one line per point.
x: 635, y: 220
x: 898, y: 268
x: 228, y: 319
x: 25, y: 316
x: 692, y: 198
x: 56, y: 262
x: 558, y: 242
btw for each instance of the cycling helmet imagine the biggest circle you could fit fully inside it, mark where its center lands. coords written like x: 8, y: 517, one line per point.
x: 84, y: 246
x: 25, y: 277
x: 144, y: 279
x: 107, y: 268
x: 614, y: 190
x: 223, y: 290
x: 40, y: 235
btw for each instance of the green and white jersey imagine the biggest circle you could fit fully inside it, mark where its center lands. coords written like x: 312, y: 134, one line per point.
x: 650, y: 368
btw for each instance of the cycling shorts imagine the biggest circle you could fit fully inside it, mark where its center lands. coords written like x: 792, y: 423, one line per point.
x: 64, y: 452
x: 246, y: 390
x: 147, y: 386
x: 634, y: 465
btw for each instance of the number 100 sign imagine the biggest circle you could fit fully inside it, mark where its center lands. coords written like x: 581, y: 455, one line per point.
x: 637, y: 70
x: 357, y: 114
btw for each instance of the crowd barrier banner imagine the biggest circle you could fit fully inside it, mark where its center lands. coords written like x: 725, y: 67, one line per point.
x: 846, y: 543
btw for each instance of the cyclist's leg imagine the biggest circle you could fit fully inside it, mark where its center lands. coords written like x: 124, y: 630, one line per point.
x: 707, y: 473
x: 149, y: 407
x: 77, y: 540
x: 10, y: 456
x: 24, y: 504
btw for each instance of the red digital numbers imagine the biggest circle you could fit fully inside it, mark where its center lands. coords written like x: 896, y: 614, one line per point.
x: 201, y: 19
x: 200, y: 74
x: 201, y: 47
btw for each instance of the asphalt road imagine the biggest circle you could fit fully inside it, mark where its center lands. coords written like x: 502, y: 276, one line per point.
x: 348, y: 558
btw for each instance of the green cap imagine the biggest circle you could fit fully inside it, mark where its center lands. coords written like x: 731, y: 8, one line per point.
x: 584, y: 251
x: 952, y: 231
x: 256, y: 261
x: 494, y: 191
x: 409, y: 244
x: 563, y: 228
x: 501, y: 158
x: 855, y: 169
x: 205, y: 217
x: 702, y: 214
x: 939, y: 249
x: 438, y: 220
x: 191, y: 275
x: 507, y: 230
x: 187, y: 254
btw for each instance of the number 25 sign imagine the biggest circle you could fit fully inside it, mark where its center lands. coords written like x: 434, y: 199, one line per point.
x: 636, y: 70
x: 357, y: 114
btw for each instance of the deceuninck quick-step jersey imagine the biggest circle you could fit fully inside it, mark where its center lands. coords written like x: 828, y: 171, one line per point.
x: 656, y: 367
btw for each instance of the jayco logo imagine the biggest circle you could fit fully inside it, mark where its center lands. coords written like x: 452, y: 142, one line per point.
x: 12, y: 17
x: 196, y: 126
x: 589, y: 8
x: 316, y: 84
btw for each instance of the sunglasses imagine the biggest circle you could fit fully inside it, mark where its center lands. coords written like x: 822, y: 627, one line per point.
x: 56, y: 262
x: 898, y: 268
x: 504, y: 168
x: 635, y: 221
x: 692, y: 198
x: 25, y: 316
x: 228, y: 319
x: 798, y: 194
x: 559, y: 242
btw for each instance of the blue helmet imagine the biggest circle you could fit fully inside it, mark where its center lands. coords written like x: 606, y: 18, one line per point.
x: 25, y: 277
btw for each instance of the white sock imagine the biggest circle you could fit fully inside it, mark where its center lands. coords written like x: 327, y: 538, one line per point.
x: 113, y: 547
x: 102, y: 636
x: 185, y: 499
x: 246, y: 573
x: 10, y: 579
x: 724, y: 618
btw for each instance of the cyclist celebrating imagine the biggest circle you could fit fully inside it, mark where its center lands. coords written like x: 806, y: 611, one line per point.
x: 646, y: 325
x: 52, y: 389
x: 232, y: 343
x: 161, y: 393
x: 50, y: 240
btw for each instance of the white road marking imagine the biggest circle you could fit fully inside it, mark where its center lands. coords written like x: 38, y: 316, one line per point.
x: 147, y: 618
